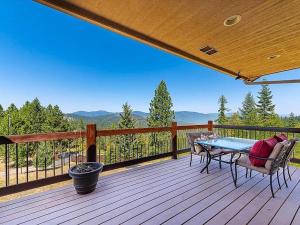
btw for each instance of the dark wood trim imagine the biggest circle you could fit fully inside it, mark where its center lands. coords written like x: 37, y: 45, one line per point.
x: 91, y: 148
x: 32, y: 184
x: 41, y: 137
x: 210, y: 125
x: 91, y: 17
x: 295, y: 160
x: 257, y: 128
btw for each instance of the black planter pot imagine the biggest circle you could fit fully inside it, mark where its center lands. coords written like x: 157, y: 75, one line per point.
x: 85, y: 182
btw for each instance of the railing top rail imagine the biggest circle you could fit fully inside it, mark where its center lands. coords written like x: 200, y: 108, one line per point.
x: 258, y: 128
x: 41, y: 137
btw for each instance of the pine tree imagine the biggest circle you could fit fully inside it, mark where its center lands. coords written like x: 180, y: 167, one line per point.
x: 292, y: 121
x: 222, y: 119
x: 54, y: 120
x: 234, y: 119
x: 1, y: 111
x: 161, y: 113
x: 265, y: 106
x: 126, y: 142
x: 248, y: 112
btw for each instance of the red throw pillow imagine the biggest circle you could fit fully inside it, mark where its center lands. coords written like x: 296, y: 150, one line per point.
x: 272, y: 142
x: 263, y: 149
x: 281, y: 137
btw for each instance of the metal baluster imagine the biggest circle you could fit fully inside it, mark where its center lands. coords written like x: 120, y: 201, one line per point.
x: 99, y: 146
x: 36, y: 162
x: 61, y: 158
x: 110, y: 152
x: 115, y: 152
x: 54, y: 157
x: 6, y: 165
x: 17, y: 164
x: 69, y: 153
x: 27, y: 163
x: 8, y: 159
x: 45, y: 159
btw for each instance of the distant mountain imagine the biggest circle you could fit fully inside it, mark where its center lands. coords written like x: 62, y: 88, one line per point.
x: 106, y: 119
x: 92, y: 113
x: 187, y: 117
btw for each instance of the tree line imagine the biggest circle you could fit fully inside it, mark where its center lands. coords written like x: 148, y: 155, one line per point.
x: 252, y: 113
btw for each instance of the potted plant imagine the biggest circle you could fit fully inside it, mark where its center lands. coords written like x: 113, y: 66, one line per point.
x: 85, y: 176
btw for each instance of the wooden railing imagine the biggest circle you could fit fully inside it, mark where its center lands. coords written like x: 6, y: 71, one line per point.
x: 34, y: 160
x: 30, y: 161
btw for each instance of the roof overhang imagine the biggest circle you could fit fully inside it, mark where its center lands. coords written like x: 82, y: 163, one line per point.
x: 265, y: 41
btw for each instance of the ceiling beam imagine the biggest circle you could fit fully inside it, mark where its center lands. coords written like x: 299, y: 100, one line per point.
x: 296, y: 81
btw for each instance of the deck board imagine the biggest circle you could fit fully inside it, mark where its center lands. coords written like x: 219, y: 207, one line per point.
x: 169, y: 192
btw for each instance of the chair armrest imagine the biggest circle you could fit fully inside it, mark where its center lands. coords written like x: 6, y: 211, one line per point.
x: 263, y: 158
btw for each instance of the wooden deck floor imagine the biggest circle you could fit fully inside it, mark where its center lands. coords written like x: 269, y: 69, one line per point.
x: 169, y: 192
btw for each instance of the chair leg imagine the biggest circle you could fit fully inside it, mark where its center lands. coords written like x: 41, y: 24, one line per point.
x: 288, y: 169
x: 235, y: 177
x: 206, y: 165
x: 191, y: 159
x: 271, y: 186
x: 250, y: 173
x: 246, y: 172
x: 220, y: 165
x: 284, y: 177
x: 208, y: 162
x: 201, y: 159
x: 278, y: 179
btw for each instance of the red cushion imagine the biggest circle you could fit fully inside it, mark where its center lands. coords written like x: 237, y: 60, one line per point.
x: 263, y: 149
x: 272, y: 142
x: 280, y: 137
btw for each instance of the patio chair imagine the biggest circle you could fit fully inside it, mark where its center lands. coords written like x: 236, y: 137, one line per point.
x: 277, y: 159
x: 203, y: 152
x: 285, y: 163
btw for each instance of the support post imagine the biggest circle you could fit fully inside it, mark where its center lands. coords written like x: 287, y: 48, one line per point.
x: 210, y: 125
x: 174, y: 140
x: 91, y: 134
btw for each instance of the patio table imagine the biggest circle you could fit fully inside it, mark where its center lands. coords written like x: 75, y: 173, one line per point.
x: 229, y: 145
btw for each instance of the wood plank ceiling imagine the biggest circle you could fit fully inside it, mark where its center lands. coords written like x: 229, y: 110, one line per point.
x: 265, y: 41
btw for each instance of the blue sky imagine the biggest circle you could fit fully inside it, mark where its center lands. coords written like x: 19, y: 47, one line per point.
x: 66, y: 61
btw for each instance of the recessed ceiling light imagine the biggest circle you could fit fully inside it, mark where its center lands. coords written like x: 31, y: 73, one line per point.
x: 273, y: 57
x: 232, y: 20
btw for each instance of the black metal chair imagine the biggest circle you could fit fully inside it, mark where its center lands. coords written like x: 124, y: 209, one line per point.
x: 277, y: 159
x: 285, y: 163
x: 203, y: 151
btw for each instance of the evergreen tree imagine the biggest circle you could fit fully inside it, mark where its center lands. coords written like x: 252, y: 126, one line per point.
x: 128, y: 141
x: 1, y: 112
x: 292, y: 121
x: 234, y: 119
x: 265, y: 106
x: 161, y: 113
x: 54, y: 120
x: 248, y: 112
x: 222, y: 119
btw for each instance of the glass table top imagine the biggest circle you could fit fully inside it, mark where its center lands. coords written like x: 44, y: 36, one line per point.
x: 230, y: 143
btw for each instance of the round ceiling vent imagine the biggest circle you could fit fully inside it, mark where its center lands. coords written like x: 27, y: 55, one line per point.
x: 232, y: 20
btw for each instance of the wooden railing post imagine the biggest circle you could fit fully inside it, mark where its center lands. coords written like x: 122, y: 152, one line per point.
x: 210, y: 125
x: 91, y: 134
x: 174, y: 140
